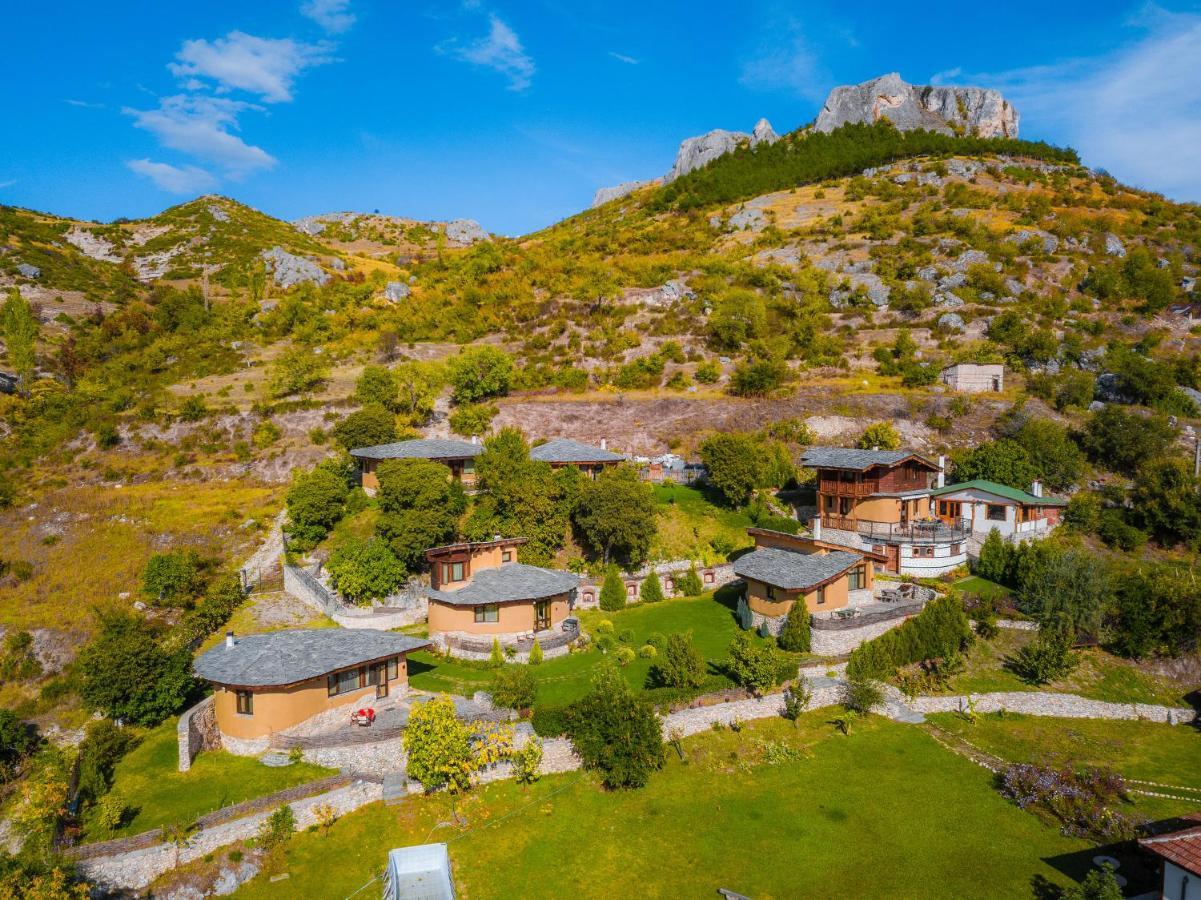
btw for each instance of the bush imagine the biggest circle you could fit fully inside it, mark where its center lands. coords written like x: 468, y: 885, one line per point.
x: 862, y: 695
x: 1158, y: 611
x: 796, y: 700
x: 647, y: 651
x: 1004, y: 462
x: 689, y: 584
x: 615, y: 733
x: 277, y: 828
x: 110, y: 812
x: 316, y: 502
x: 172, y: 579
x: 479, y: 373
x: 757, y: 667
x: 549, y: 721
x: 682, y: 665
x: 536, y: 654
x: 18, y: 740
x: 1098, y: 884
x: 473, y: 419
x: 18, y: 662
x: 215, y: 608
x: 613, y: 592
x: 624, y: 656
x: 1079, y: 802
x: 657, y: 640
x: 1122, y: 441
x: 795, y: 635
x: 438, y: 746
x: 514, y: 687
x: 940, y: 630
x: 651, y: 590
x: 101, y: 749
x: 995, y: 558
x: 362, y: 571
x: 1048, y: 658
x: 368, y: 427
x: 496, y: 656
x: 880, y: 434
x: 527, y: 761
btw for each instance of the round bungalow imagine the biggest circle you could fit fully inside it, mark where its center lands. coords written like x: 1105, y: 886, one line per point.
x: 480, y: 593
x: 266, y: 683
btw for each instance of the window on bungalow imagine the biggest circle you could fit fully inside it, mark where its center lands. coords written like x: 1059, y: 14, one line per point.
x: 855, y: 579
x: 245, y: 703
x: 370, y: 676
x: 771, y: 592
x: 489, y: 612
x: 821, y: 595
x: 506, y: 556
x: 343, y: 682
x: 394, y: 668
x: 996, y: 512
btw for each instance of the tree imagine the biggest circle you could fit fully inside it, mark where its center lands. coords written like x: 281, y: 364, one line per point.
x: 613, y: 592
x: 880, y: 435
x: 296, y: 371
x: 1055, y: 456
x: 421, y: 507
x: 127, y: 672
x: 1002, y: 461
x: 480, y: 373
x: 689, y: 584
x: 362, y: 571
x: 472, y: 419
x: 1047, y: 658
x: 316, y: 502
x: 1122, y: 441
x: 514, y: 687
x: 18, y: 740
x: 757, y: 667
x: 995, y: 557
x: 102, y: 748
x: 862, y: 696
x: 738, y: 464
x: 173, y: 579
x: 377, y: 385
x: 616, y: 733
x: 438, y: 746
x: 367, y: 427
x: 20, y: 328
x: 651, y: 590
x: 615, y: 513
x: 1098, y: 884
x: 1068, y: 589
x: 680, y: 665
x: 1158, y: 611
x: 758, y: 377
x: 1167, y: 499
x: 795, y: 636
x: 417, y: 387
x: 535, y: 658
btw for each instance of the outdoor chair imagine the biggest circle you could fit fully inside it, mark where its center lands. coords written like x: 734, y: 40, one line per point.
x: 363, y: 717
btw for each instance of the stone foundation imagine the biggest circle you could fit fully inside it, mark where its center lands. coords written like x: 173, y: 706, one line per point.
x: 842, y: 642
x: 445, y: 642
x: 767, y: 626
x: 245, y: 746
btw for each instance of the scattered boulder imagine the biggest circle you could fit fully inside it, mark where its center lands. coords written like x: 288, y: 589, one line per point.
x: 92, y: 245
x: 218, y: 213
x: 288, y: 270
x: 944, y: 109
x: 1188, y: 284
x: 1014, y: 286
x: 748, y: 218
x: 928, y: 273
x: 395, y: 291
x: 969, y: 258
x: 947, y: 300
x: 29, y: 271
x: 1109, y: 389
x: 952, y: 281
x: 1114, y: 246
x: 964, y: 168
x: 1050, y: 242
x: 337, y: 264
x: 465, y: 231
x: 1194, y: 395
x: 951, y: 321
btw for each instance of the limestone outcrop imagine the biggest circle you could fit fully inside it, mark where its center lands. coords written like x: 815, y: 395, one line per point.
x: 967, y: 110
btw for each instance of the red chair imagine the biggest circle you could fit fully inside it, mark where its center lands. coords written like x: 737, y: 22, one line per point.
x: 363, y: 717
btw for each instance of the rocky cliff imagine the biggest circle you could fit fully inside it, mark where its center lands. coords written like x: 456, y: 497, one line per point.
x: 695, y: 152
x: 966, y: 110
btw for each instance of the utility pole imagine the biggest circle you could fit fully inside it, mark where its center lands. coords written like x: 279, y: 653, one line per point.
x: 1197, y: 456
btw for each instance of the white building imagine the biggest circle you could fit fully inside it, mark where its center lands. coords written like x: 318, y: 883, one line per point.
x: 974, y: 378
x: 984, y: 506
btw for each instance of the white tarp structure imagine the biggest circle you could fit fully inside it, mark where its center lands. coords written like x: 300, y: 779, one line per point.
x: 419, y: 873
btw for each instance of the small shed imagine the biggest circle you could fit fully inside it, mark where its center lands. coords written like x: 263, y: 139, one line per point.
x: 974, y: 378
x: 421, y: 872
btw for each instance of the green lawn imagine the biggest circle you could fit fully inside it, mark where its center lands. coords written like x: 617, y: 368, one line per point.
x: 1098, y: 675
x: 690, y: 522
x: 982, y: 587
x: 884, y: 812
x: 149, y: 781
x: 561, y: 680
x: 1169, y: 754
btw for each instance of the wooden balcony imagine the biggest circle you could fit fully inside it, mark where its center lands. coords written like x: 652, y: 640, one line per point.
x: 840, y: 488
x: 928, y: 532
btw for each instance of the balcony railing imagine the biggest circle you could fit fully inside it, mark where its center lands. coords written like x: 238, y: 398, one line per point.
x: 929, y: 532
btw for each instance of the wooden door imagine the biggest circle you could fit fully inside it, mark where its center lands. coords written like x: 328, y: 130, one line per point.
x: 893, y: 552
x: 381, y: 680
x: 542, y: 615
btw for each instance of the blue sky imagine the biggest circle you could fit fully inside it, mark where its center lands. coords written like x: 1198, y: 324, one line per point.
x: 513, y: 113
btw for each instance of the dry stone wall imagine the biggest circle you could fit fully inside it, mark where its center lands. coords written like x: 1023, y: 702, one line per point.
x: 1063, y: 706
x: 196, y: 731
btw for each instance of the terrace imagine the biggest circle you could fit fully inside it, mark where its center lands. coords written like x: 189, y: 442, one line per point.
x: 924, y: 532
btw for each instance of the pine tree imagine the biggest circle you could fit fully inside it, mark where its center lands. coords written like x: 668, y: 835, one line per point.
x: 613, y: 592
x: 536, y: 654
x: 794, y: 636
x: 690, y: 584
x: 496, y: 658
x: 651, y: 590
x: 994, y: 557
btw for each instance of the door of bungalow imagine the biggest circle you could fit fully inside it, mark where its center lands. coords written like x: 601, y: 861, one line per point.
x: 379, y: 672
x: 542, y: 615
x: 893, y: 552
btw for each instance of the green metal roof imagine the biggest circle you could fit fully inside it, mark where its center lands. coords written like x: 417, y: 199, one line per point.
x: 1001, y: 490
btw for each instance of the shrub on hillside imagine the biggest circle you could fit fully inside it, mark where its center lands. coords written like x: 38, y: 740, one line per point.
x: 880, y: 435
x: 1047, y: 658
x: 316, y: 501
x: 365, y: 570
x: 940, y: 630
x: 616, y: 733
x: 367, y: 427
x: 680, y: 665
x: 174, y: 578
x: 513, y: 687
x: 795, y: 636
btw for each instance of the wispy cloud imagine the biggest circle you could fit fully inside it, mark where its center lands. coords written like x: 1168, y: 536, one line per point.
x: 332, y: 15
x: 1127, y: 111
x: 263, y: 66
x: 83, y: 104
x: 621, y: 57
x: 202, y: 127
x: 500, y: 50
x: 7, y: 184
x: 173, y: 179
x: 785, y: 60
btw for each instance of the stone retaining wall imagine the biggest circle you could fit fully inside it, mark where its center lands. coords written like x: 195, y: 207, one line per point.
x: 307, y: 588
x: 137, y: 869
x: 1017, y: 625
x: 196, y: 731
x: 712, y: 577
x: 843, y: 641
x: 1064, y: 706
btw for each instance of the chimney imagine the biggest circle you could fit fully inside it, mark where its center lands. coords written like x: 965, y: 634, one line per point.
x: 1036, y: 488
x: 603, y: 444
x: 876, y: 449
x: 816, y: 527
x: 230, y: 640
x: 475, y: 439
x: 942, y: 471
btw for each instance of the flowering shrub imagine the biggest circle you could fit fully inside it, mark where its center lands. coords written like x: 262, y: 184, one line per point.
x: 1078, y: 801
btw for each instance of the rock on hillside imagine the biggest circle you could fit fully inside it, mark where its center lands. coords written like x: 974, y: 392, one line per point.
x: 694, y: 153
x: 287, y: 269
x: 980, y: 111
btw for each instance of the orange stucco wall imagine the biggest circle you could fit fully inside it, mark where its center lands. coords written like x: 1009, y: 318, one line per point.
x: 756, y: 597
x: 512, y: 618
x: 277, y: 708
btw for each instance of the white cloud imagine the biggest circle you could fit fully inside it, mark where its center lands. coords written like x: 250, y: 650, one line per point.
x: 621, y: 57
x: 263, y: 66
x: 201, y: 127
x: 1133, y: 112
x: 332, y: 15
x: 7, y: 184
x: 173, y: 179
x: 83, y: 104
x: 501, y: 50
x: 786, y: 61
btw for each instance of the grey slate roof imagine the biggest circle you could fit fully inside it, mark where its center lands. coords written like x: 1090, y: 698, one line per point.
x: 420, y: 448
x: 792, y: 571
x: 509, y: 582
x: 565, y: 450
x: 287, y: 657
x: 849, y: 458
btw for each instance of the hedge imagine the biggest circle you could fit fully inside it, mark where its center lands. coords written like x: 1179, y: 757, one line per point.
x: 938, y: 631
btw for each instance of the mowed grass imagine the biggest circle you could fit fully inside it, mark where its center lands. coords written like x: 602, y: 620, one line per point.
x: 690, y: 521
x: 1166, y: 754
x: 108, y: 533
x: 564, y: 679
x: 147, y: 778
x: 883, y: 812
x: 1098, y: 675
x: 982, y: 587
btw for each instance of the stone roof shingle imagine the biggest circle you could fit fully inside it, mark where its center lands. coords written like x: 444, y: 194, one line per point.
x: 851, y: 458
x: 566, y: 450
x: 420, y: 448
x: 287, y: 657
x: 793, y: 571
x: 508, y: 583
